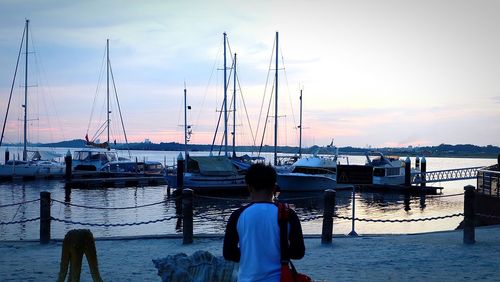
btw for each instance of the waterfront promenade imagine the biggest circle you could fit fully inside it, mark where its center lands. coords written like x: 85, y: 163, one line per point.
x: 439, y: 256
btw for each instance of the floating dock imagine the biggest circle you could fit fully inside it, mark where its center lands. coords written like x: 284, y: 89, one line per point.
x: 93, y: 179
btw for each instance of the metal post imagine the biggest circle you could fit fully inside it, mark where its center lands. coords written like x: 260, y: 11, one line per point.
x: 187, y: 216
x: 407, y: 172
x: 44, y: 217
x: 353, y: 232
x: 417, y: 162
x: 469, y: 215
x: 25, y: 106
x: 276, y: 106
x: 225, y: 97
x: 326, y: 234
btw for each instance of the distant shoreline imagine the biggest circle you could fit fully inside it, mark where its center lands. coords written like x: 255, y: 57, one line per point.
x: 440, y: 151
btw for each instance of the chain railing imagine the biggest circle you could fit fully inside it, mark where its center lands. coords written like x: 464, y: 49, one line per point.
x: 113, y: 224
x: 187, y: 214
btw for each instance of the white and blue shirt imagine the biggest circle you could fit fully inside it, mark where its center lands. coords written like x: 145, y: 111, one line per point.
x: 253, y: 239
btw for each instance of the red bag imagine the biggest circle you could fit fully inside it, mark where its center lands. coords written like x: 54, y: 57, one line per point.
x: 291, y: 275
x: 288, y: 271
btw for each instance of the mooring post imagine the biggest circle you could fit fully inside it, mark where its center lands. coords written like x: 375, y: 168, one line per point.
x: 69, y: 167
x: 187, y: 216
x: 469, y: 215
x: 407, y: 172
x: 423, y: 170
x: 7, y: 155
x: 180, y: 171
x: 44, y: 217
x: 326, y: 234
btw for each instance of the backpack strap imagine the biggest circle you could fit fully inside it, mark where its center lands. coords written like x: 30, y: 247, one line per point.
x: 283, y: 224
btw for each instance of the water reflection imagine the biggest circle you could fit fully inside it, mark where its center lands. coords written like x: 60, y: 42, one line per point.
x: 212, y: 211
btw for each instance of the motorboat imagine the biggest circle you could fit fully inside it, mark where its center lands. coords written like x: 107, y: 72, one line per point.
x: 128, y: 167
x: 314, y: 173
x: 309, y: 174
x: 387, y: 170
x: 209, y: 174
x: 92, y: 159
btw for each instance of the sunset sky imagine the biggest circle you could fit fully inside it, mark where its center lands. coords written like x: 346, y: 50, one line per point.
x: 379, y: 73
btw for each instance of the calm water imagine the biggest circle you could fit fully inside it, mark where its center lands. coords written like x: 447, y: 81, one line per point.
x: 211, y: 214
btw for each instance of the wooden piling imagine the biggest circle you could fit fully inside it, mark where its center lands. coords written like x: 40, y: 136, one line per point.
x: 407, y: 172
x: 44, y: 217
x: 327, y: 231
x: 180, y: 172
x: 7, y: 155
x: 187, y: 216
x: 423, y: 170
x: 69, y: 166
x: 469, y: 215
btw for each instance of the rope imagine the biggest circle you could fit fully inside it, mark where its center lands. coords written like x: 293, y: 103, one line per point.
x: 109, y: 208
x: 114, y: 224
x: 399, y: 220
x: 21, y: 203
x: 19, y: 221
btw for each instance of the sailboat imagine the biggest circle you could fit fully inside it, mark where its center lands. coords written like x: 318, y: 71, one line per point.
x: 95, y: 156
x: 34, y: 163
x: 316, y: 173
x: 211, y: 173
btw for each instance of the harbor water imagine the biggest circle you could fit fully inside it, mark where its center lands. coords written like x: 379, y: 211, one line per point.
x: 105, y: 207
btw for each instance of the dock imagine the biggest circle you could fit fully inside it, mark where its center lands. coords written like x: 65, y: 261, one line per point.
x: 95, y: 179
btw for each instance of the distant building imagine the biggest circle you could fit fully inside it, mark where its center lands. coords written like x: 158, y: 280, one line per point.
x: 147, y: 141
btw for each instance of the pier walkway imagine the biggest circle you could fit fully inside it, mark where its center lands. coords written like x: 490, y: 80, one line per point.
x: 445, y: 175
x: 439, y: 256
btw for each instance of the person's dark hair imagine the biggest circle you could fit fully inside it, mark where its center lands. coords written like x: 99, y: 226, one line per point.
x: 261, y: 177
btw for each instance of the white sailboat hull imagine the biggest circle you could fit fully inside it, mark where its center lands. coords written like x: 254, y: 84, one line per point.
x: 305, y: 182
x: 32, y: 171
x: 208, y: 183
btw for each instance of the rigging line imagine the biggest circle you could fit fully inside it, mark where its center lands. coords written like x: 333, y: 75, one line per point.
x: 264, y: 96
x: 97, y: 90
x: 224, y: 135
x: 99, y: 131
x: 246, y: 112
x: 242, y: 99
x: 119, y: 108
x: 12, y: 87
x: 208, y: 84
x: 267, y: 119
x: 218, y: 123
x: 288, y: 89
x: 44, y: 81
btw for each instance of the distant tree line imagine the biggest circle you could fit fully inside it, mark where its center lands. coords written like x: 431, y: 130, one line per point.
x: 442, y: 150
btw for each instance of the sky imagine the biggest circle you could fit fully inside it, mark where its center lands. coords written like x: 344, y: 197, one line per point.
x: 372, y: 73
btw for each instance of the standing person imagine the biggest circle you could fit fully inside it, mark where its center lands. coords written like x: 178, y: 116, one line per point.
x: 253, y: 234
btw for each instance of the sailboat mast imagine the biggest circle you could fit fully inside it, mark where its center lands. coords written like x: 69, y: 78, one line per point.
x: 300, y: 126
x: 234, y: 108
x: 25, y: 152
x: 276, y: 106
x: 107, y: 86
x: 185, y: 124
x: 225, y: 97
